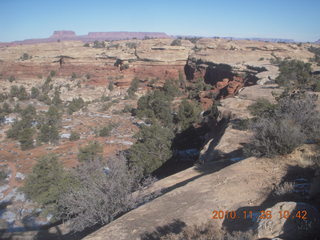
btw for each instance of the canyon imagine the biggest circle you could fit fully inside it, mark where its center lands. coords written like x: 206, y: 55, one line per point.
x: 238, y: 72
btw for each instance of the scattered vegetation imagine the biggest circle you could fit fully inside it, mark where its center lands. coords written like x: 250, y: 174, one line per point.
x: 111, y: 86
x: 45, y: 184
x: 11, y: 78
x: 49, y: 130
x: 103, y: 191
x: 97, y: 44
x: 295, y: 74
x: 74, y: 136
x: 204, y: 231
x: 75, y: 105
x: 106, y: 131
x: 53, y: 73
x: 152, y: 149
x: 25, y: 56
x: 19, y: 92
x: 281, y: 128
x: 188, y: 114
x: 316, y: 51
x: 92, y: 151
x: 176, y: 42
x: 35, y: 92
x: 133, y: 87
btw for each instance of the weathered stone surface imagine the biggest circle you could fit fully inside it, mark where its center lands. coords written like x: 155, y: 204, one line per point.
x: 292, y: 227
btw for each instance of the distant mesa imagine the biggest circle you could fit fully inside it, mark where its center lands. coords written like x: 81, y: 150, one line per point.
x: 63, y: 34
x: 318, y: 41
x: 66, y: 35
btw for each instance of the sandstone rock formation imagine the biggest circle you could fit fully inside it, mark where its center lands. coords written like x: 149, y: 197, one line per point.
x: 291, y: 227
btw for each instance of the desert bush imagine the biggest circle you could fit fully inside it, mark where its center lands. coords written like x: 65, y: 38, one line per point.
x: 86, y: 45
x: 25, y: 138
x: 262, y: 107
x: 124, y: 66
x: 6, y: 108
x: 106, y: 106
x: 14, y: 91
x: 294, y: 121
x: 73, y: 76
x: 152, y: 148
x: 127, y: 109
x: 53, y: 73
x: 90, y: 152
x: 170, y: 87
x: 11, y: 78
x: 111, y: 86
x: 97, y: 44
x: 188, y: 114
x: 45, y: 184
x: 294, y: 74
x: 28, y: 116
x: 155, y: 105
x: 103, y: 191
x: 3, y: 97
x: 56, y: 100
x: 176, y: 42
x: 133, y: 87
x: 131, y: 45
x: 74, y: 136
x: 241, y: 124
x: 45, y: 98
x: 316, y: 51
x: 284, y: 189
x: 49, y: 130
x: 75, y: 105
x: 25, y: 56
x: 35, y: 92
x: 106, y: 131
x: 205, y: 231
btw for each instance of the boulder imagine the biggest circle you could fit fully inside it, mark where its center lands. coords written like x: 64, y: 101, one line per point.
x: 291, y: 227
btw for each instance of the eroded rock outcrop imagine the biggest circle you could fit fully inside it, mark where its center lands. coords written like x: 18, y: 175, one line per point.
x: 290, y: 220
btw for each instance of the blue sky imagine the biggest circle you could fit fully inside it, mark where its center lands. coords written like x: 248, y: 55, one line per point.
x: 294, y: 19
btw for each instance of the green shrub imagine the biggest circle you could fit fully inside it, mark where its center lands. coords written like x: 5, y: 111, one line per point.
x: 75, y: 105
x: 106, y: 131
x: 74, y: 136
x: 35, y: 92
x: 49, y: 127
x: 11, y: 79
x: 53, y: 73
x: 176, y: 42
x: 133, y: 87
x: 152, y: 148
x: 28, y: 116
x: 127, y: 109
x: 262, y: 107
x: 25, y: 56
x: 46, y: 183
x: 155, y: 105
x: 170, y: 87
x: 73, y: 76
x: 26, y: 138
x: 86, y: 45
x: 110, y: 86
x: 188, y: 114
x: 294, y: 74
x: 90, y: 152
x: 6, y: 108
x: 294, y: 121
x: 14, y: 91
x: 97, y: 44
x: 106, y: 106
